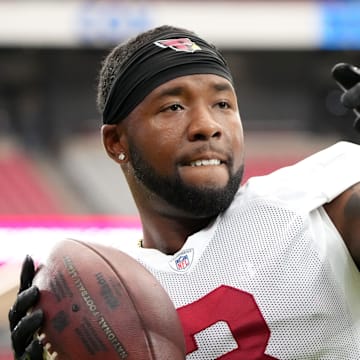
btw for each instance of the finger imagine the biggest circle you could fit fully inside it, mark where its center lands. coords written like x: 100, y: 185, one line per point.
x: 24, y: 301
x: 351, y: 98
x: 357, y: 124
x: 27, y: 273
x: 346, y: 75
x: 25, y: 330
x: 35, y: 350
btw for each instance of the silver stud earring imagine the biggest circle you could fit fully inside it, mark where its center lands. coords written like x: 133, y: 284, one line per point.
x: 122, y: 156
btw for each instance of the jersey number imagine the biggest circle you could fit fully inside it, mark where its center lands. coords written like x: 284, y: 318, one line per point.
x: 240, y: 314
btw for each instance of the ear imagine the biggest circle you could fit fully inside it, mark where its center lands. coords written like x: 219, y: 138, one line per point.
x: 114, y: 142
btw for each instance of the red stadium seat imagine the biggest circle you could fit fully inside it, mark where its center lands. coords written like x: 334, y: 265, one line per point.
x: 22, y: 188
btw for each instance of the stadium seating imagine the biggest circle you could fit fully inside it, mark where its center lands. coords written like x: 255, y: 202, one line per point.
x: 23, y: 187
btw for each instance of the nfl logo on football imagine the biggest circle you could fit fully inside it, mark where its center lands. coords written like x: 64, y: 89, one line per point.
x: 182, y: 261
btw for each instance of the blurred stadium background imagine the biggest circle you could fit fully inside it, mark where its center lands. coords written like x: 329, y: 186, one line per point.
x: 55, y: 179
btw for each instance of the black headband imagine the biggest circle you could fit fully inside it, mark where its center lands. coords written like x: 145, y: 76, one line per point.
x: 159, y: 61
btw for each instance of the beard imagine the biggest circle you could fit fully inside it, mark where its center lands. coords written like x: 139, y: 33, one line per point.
x: 199, y: 201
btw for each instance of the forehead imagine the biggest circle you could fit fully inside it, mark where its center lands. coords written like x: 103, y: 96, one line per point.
x: 197, y: 82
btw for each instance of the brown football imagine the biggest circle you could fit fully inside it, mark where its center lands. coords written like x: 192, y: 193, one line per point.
x: 99, y: 303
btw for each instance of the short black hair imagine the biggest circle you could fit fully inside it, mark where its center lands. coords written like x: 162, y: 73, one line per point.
x: 120, y: 54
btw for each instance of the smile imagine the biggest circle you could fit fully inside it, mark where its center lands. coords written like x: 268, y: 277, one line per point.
x: 209, y: 162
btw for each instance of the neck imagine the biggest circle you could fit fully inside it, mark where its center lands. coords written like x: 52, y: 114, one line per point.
x: 164, y: 226
x: 168, y: 234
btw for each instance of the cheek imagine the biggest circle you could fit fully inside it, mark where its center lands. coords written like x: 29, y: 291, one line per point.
x: 166, y: 142
x: 237, y: 144
x: 159, y: 147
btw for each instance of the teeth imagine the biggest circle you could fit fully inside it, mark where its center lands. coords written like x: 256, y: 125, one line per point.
x: 211, y: 162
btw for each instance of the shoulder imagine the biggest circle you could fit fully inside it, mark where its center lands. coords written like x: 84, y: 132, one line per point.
x: 344, y: 212
x: 313, y: 181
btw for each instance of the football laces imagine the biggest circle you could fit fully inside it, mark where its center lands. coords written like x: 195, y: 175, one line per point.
x: 47, y: 353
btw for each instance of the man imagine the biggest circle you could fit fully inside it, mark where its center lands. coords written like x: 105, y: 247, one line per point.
x: 268, y: 270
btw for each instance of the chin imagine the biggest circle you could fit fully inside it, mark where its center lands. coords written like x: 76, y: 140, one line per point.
x: 204, y: 201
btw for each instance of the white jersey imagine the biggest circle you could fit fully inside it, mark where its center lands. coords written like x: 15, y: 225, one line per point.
x: 271, y: 278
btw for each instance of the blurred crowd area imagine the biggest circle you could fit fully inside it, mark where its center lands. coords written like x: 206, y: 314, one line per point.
x: 281, y: 54
x: 51, y: 157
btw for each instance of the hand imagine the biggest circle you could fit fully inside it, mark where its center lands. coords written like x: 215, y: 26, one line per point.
x: 348, y: 78
x: 23, y: 326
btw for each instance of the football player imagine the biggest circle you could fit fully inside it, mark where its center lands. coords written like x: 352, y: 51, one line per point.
x: 266, y: 270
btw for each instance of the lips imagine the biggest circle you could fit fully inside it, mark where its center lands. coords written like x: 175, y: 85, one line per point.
x: 205, y: 162
x: 204, y: 159
x: 203, y: 156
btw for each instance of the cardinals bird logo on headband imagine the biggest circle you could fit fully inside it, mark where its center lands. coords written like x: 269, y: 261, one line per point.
x: 181, y: 44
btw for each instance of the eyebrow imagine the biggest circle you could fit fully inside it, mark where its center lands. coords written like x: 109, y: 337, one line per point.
x: 224, y: 86
x: 174, y: 91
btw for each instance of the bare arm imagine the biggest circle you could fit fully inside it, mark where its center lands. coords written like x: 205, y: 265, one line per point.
x: 344, y: 211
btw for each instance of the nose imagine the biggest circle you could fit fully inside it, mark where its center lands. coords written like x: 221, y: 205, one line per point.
x: 203, y: 126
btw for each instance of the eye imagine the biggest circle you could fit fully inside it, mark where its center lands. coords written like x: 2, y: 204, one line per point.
x: 223, y: 105
x: 173, y: 107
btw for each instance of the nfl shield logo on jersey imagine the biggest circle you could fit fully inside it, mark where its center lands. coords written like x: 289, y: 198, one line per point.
x: 183, y: 260
x: 181, y: 44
